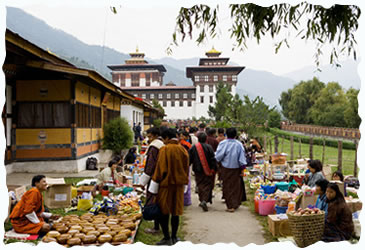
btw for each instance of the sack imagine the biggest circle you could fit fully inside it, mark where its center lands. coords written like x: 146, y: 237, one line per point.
x: 151, y: 211
x: 91, y: 163
x: 84, y: 204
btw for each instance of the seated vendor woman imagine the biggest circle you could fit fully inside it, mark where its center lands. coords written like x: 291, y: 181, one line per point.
x: 321, y: 187
x: 337, y: 176
x: 339, y: 225
x: 130, y: 158
x: 315, y: 168
x: 28, y: 215
x: 108, y: 175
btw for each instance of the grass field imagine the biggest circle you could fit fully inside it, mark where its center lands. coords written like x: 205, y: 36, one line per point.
x: 331, y: 154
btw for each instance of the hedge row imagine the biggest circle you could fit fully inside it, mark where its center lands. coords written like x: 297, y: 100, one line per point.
x: 316, y: 140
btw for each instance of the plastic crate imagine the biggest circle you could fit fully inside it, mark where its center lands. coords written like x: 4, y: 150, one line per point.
x: 280, y: 210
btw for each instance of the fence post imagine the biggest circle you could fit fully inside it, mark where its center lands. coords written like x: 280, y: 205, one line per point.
x: 270, y: 146
x: 276, y: 144
x: 291, y: 147
x: 339, y: 156
x: 323, y: 151
x: 355, y: 167
x: 265, y: 143
x: 311, y: 148
x: 300, y: 148
x: 282, y: 144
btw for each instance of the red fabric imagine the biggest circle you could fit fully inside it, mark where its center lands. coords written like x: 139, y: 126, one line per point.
x: 203, y: 160
x: 185, y: 144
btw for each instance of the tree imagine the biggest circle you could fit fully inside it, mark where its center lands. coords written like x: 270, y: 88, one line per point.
x: 222, y: 108
x: 118, y: 135
x: 351, y: 115
x: 335, y: 25
x: 328, y: 109
x: 274, y: 119
x: 297, y: 102
x: 157, y: 105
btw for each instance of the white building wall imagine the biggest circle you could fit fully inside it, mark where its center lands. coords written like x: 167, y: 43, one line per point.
x: 178, y: 112
x: 155, y: 83
x: 133, y: 114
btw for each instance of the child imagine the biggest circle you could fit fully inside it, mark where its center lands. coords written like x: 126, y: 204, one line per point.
x: 321, y: 187
x: 339, y: 225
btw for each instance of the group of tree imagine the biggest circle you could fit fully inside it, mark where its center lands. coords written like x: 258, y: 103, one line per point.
x: 314, y: 102
x: 244, y: 113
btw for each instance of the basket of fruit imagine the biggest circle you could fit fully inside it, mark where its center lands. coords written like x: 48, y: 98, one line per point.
x: 307, y: 225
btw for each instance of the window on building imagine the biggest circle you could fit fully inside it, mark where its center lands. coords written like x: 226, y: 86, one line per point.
x: 160, y: 96
x: 202, y: 99
x: 168, y: 96
x: 206, y: 78
x: 164, y: 104
x: 201, y: 88
x: 189, y: 103
x: 185, y: 95
x: 215, y: 78
x: 193, y: 95
x: 234, y: 78
x: 177, y: 96
x: 172, y: 103
x: 135, y: 79
x: 196, y: 78
x: 95, y: 116
x: 224, y: 78
x: 152, y: 96
x: 135, y: 95
x: 210, y: 88
x: 47, y: 115
x: 143, y: 96
x: 210, y: 99
x: 181, y: 103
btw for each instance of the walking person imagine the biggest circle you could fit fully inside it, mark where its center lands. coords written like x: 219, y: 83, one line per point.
x: 211, y: 138
x: 169, y: 181
x: 184, y: 137
x: 155, y: 144
x: 202, y: 157
x: 231, y: 154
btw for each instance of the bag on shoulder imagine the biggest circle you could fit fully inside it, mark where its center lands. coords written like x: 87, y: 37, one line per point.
x: 151, y: 211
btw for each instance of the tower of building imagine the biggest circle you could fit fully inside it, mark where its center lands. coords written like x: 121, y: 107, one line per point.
x: 211, y: 70
x: 137, y: 72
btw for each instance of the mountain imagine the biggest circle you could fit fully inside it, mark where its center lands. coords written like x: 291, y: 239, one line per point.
x: 66, y: 46
x: 346, y: 75
x: 262, y: 83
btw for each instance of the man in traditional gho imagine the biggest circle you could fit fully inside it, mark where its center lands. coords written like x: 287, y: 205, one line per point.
x: 155, y: 144
x: 201, y: 156
x: 28, y: 214
x: 169, y: 182
x: 231, y: 154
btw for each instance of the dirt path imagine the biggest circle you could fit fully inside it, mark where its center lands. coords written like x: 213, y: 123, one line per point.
x: 219, y: 226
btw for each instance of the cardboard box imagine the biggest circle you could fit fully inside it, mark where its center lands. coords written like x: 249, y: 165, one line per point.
x: 18, y: 190
x: 58, y: 194
x: 340, y: 185
x: 278, y: 227
x: 327, y: 171
x: 354, y: 205
x: 305, y: 201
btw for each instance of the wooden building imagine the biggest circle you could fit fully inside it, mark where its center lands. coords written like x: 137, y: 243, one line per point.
x: 54, y: 112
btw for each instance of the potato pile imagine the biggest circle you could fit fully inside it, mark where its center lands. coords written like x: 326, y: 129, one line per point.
x: 89, y: 229
x: 307, y: 211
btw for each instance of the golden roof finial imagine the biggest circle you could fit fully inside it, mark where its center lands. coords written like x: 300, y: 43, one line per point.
x: 137, y: 50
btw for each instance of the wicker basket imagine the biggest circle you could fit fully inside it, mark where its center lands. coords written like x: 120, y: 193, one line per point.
x: 278, y: 159
x: 306, y: 229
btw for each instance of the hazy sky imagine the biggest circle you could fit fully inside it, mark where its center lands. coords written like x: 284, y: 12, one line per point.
x: 150, y: 27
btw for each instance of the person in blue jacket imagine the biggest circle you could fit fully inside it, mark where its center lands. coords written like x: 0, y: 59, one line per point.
x: 321, y: 187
